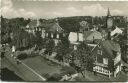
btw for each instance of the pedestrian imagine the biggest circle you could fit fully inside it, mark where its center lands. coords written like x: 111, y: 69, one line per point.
x: 18, y: 62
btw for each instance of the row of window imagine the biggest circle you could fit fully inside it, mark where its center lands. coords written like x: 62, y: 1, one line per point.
x: 101, y: 70
x: 105, y: 61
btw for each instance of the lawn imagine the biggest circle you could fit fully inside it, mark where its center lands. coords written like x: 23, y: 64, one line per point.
x: 42, y: 66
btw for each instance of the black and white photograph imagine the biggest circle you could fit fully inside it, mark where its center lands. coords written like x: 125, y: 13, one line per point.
x: 63, y: 41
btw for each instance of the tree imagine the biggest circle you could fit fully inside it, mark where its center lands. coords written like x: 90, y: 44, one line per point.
x: 62, y: 50
x: 13, y: 33
x: 49, y: 46
x: 84, y: 25
x: 82, y: 59
x: 39, y: 40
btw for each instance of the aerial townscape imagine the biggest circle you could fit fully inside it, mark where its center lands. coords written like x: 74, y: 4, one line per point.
x: 76, y: 48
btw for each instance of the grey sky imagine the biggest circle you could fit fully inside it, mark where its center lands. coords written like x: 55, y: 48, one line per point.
x: 50, y: 9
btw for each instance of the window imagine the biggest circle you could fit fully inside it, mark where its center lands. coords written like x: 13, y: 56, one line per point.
x: 105, y: 60
x: 57, y: 35
x: 51, y: 35
x: 75, y: 47
x: 99, y: 52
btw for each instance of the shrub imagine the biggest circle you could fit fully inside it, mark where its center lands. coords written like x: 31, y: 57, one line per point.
x: 22, y: 56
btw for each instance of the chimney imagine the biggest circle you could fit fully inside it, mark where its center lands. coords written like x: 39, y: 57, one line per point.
x: 93, y: 39
x: 77, y: 36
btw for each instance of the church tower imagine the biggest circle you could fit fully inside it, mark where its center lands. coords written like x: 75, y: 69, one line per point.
x: 109, y: 20
x: 109, y: 24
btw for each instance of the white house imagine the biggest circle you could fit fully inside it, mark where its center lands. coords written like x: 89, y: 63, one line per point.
x: 116, y: 30
x: 75, y: 37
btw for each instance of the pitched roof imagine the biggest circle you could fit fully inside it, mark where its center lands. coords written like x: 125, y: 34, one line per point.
x: 52, y: 27
x: 116, y: 30
x: 109, y: 47
x: 89, y: 35
x: 55, y: 28
x: 33, y: 23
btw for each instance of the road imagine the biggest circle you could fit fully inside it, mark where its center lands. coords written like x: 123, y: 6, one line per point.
x: 22, y: 70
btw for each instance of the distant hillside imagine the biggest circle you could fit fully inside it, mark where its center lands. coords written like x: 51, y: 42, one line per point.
x: 72, y: 23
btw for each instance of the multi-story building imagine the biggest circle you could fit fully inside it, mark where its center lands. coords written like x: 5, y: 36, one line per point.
x: 107, y: 58
x: 107, y: 53
x: 53, y: 31
x: 32, y: 26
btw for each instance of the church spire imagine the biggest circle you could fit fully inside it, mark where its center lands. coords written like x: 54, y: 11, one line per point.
x: 108, y: 14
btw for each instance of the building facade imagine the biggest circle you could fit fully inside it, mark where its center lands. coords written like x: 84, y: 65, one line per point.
x: 107, y: 53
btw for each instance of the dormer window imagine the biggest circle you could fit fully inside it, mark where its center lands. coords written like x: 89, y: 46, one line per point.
x: 46, y: 34
x: 75, y: 47
x: 57, y: 35
x: 99, y: 52
x: 51, y: 35
x: 105, y: 61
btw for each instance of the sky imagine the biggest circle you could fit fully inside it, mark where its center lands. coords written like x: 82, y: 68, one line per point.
x: 52, y: 9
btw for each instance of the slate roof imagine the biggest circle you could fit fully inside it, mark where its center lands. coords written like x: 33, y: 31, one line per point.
x: 55, y: 28
x: 88, y: 35
x: 109, y: 47
x: 52, y: 27
x: 33, y: 23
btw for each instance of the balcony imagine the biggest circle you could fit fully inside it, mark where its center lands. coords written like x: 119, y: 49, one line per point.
x: 101, y: 70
